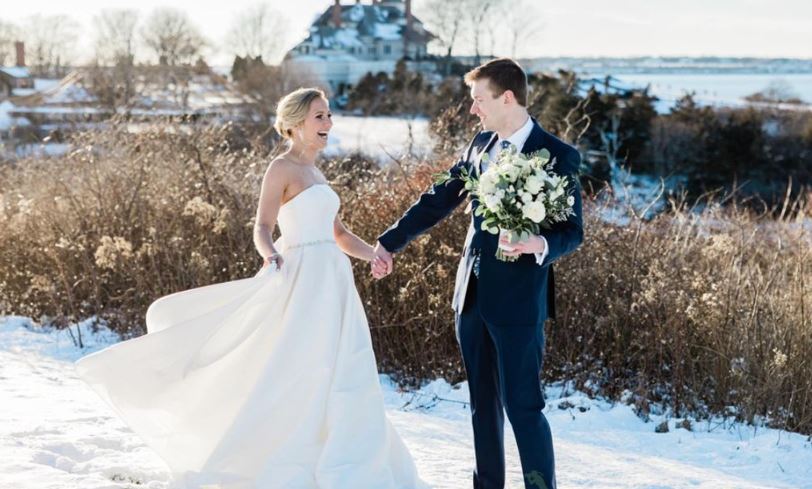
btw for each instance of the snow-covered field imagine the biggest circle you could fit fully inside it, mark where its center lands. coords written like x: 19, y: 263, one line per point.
x: 56, y: 434
x: 379, y: 137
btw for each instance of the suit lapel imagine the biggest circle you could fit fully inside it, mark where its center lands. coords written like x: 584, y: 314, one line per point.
x: 486, y: 148
x: 535, y: 141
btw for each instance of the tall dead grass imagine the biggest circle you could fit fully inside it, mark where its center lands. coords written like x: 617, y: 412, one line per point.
x: 701, y: 312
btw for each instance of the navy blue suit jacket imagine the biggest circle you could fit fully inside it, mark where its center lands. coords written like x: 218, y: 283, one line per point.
x: 519, y: 293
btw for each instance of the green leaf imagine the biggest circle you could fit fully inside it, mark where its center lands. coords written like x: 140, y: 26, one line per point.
x: 442, y: 178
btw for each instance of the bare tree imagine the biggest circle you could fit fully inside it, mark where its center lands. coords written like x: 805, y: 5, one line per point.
x: 8, y: 34
x: 50, y: 41
x: 112, y: 77
x: 476, y: 15
x: 523, y: 23
x: 115, y: 36
x: 259, y: 31
x: 444, y: 19
x: 172, y: 36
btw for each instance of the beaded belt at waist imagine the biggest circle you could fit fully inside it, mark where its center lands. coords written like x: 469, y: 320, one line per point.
x: 310, y: 243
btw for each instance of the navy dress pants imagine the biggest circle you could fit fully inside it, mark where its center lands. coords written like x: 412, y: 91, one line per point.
x: 503, y: 365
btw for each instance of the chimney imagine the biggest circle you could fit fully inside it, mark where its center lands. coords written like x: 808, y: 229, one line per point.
x: 337, y: 14
x: 20, y: 48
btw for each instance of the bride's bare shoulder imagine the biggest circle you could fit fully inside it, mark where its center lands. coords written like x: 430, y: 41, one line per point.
x: 280, y: 168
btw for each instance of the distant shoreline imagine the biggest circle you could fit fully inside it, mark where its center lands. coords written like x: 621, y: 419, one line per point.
x: 651, y: 65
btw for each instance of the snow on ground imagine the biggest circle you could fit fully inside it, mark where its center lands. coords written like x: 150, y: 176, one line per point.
x: 377, y: 136
x: 57, y: 434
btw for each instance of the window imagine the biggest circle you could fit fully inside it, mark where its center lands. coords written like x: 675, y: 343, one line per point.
x: 387, y: 49
x: 373, y: 51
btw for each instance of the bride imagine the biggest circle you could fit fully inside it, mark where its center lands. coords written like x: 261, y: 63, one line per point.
x: 267, y: 382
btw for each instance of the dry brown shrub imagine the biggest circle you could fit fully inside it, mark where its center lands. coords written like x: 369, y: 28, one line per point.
x: 698, y: 311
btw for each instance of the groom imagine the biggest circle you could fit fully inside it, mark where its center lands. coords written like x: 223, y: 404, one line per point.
x: 500, y: 307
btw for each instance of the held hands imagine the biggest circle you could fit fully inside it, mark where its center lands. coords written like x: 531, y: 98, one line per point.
x: 381, y: 263
x: 533, y: 244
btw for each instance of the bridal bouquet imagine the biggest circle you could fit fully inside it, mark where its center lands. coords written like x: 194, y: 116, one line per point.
x: 518, y: 195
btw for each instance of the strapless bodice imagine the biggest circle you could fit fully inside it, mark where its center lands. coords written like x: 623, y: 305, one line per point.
x: 308, y: 217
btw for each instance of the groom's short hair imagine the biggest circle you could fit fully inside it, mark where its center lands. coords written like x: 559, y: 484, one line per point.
x: 502, y: 74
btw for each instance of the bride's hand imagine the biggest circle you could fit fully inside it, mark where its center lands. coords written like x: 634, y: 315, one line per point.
x: 381, y: 262
x: 275, y: 260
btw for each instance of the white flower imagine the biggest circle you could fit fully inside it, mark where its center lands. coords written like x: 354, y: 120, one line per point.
x: 556, y: 193
x: 534, y: 211
x: 512, y: 172
x: 487, y: 183
x: 492, y: 202
x: 570, y: 201
x: 523, y: 163
x: 533, y: 184
x: 526, y: 197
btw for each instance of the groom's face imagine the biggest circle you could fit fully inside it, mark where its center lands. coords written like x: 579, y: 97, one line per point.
x: 489, y: 108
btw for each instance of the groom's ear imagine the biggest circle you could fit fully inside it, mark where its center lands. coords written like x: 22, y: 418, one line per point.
x: 509, y: 97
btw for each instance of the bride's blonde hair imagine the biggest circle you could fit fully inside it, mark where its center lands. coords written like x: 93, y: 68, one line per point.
x: 292, y: 109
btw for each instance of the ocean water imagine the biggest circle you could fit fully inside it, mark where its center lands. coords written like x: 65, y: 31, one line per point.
x: 727, y: 89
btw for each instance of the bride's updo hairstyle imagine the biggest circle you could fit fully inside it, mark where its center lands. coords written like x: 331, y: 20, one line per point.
x: 292, y: 109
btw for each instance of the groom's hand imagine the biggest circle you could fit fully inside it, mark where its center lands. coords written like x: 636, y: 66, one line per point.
x: 382, y: 263
x: 533, y: 244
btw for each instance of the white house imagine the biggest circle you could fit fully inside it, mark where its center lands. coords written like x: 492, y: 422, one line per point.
x: 14, y: 80
x: 347, y: 41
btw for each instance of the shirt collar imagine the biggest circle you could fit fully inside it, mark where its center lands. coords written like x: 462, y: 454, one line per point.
x: 519, y: 137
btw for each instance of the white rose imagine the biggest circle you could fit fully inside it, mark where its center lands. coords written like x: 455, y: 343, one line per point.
x: 526, y: 197
x: 492, y: 202
x: 487, y: 183
x: 533, y: 184
x: 512, y: 172
x: 570, y: 201
x: 534, y: 211
x: 523, y: 163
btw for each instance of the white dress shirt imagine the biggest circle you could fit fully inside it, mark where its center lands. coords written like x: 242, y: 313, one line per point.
x: 517, y: 139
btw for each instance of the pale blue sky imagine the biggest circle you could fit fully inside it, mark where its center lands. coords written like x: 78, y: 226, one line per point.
x: 764, y: 28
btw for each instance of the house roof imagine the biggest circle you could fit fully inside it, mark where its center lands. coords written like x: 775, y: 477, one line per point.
x: 15, y: 71
x: 382, y: 22
x: 155, y: 93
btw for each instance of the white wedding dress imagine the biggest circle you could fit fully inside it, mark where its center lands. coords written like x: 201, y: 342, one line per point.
x: 266, y: 382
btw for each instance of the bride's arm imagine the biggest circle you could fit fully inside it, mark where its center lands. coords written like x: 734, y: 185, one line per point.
x: 270, y: 200
x: 350, y: 243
